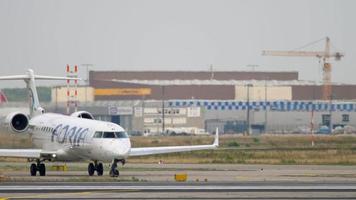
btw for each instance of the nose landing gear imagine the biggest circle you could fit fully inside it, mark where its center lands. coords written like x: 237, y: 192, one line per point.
x: 114, y: 172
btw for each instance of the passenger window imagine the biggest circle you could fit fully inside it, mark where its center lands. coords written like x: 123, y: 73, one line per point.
x: 98, y: 134
x: 121, y: 134
x: 109, y: 135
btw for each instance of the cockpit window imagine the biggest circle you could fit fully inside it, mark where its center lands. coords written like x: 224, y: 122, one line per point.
x: 109, y: 135
x: 121, y: 135
x: 98, y: 134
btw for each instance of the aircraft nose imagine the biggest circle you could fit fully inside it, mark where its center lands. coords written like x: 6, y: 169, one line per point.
x: 122, y: 147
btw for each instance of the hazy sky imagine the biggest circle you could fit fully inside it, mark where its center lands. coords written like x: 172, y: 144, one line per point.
x: 173, y: 35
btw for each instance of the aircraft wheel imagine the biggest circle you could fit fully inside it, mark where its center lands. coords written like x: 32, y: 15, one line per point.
x: 100, y: 169
x: 91, y: 169
x: 42, y: 169
x: 33, y: 169
x: 114, y: 173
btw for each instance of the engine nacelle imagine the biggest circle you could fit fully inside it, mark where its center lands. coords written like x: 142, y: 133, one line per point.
x: 17, y: 122
x: 82, y: 114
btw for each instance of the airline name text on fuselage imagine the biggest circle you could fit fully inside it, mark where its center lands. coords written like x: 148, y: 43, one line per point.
x: 73, y: 135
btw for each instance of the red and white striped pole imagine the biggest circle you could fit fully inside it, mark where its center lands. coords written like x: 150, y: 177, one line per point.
x: 72, y: 98
x: 76, y: 88
x: 68, y: 91
x: 312, y: 126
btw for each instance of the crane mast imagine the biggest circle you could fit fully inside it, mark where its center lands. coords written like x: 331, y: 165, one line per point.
x: 325, y: 56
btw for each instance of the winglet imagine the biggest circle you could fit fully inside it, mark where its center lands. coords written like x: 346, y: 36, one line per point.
x: 216, y: 140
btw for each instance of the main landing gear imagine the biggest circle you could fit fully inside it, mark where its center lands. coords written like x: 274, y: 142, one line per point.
x: 98, y: 167
x: 40, y: 167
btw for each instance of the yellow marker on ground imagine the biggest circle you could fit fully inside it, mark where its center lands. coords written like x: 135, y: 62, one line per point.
x: 181, y: 177
x: 59, y: 167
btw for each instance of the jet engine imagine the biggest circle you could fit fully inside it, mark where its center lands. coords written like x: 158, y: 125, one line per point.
x: 82, y: 114
x: 16, y: 122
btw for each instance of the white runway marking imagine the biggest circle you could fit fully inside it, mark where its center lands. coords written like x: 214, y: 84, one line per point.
x: 44, y: 188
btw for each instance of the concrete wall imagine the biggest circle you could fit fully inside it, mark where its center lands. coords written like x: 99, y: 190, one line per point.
x: 310, y: 92
x: 85, y: 94
x: 158, y: 93
x: 258, y: 93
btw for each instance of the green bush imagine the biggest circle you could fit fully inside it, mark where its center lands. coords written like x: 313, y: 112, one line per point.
x: 256, y: 140
x: 233, y: 144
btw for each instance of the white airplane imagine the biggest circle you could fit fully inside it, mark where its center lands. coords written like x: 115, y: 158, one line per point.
x: 78, y: 137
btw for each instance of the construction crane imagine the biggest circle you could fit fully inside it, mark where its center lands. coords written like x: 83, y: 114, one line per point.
x: 325, y: 56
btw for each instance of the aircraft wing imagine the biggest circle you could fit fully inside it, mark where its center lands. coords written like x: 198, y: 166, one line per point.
x: 172, y: 149
x: 25, y: 153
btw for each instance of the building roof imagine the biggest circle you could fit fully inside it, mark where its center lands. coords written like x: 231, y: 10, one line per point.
x: 219, y: 82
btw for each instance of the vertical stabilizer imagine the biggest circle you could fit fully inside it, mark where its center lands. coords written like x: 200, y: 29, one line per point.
x: 35, y: 107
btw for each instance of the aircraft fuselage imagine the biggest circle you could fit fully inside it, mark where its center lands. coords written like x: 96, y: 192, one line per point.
x: 72, y: 138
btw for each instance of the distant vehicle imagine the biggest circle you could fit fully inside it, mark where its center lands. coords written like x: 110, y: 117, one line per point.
x: 347, y: 129
x: 78, y: 137
x: 135, y: 133
x: 301, y: 129
x: 323, y: 130
x: 186, y: 131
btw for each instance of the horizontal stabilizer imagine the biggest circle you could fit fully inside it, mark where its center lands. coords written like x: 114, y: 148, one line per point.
x: 37, y: 77
x: 14, y: 77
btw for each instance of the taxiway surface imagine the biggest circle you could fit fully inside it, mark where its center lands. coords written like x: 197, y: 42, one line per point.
x: 153, y: 181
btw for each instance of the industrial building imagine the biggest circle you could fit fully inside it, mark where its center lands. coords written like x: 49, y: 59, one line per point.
x: 222, y: 85
x: 197, y: 102
x: 111, y: 85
